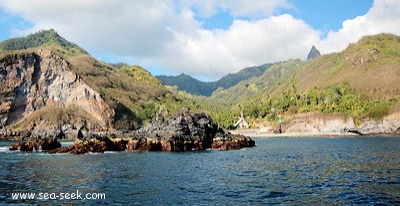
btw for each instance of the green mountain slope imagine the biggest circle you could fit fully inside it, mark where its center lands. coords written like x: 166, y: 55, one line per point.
x: 244, y: 74
x: 43, y: 39
x: 260, y: 84
x: 361, y: 81
x: 188, y: 84
x: 371, y: 66
x: 193, y: 86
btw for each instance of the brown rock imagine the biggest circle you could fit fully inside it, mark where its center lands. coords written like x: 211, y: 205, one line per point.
x: 232, y: 143
x: 38, y: 145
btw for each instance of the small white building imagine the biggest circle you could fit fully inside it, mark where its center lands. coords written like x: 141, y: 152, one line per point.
x: 241, y: 124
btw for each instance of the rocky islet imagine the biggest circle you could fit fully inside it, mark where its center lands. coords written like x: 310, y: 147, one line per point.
x: 183, y: 131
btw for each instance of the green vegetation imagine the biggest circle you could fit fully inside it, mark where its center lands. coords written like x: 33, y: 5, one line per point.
x: 188, y: 84
x: 193, y: 86
x: 132, y: 91
x: 119, y: 65
x: 43, y: 39
x: 263, y: 84
x: 361, y: 81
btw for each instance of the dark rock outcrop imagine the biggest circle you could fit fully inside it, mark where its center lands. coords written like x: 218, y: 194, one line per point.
x: 229, y: 142
x: 183, y: 131
x: 36, y: 146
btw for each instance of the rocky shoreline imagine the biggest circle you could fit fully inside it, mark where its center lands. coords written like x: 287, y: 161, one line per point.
x: 182, y: 131
x: 185, y: 131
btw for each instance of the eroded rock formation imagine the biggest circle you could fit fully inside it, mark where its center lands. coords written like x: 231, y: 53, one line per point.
x: 322, y: 124
x: 42, y: 79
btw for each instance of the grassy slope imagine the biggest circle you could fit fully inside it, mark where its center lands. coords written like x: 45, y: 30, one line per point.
x: 188, y: 84
x: 193, y: 86
x: 43, y: 39
x: 361, y: 81
x: 259, y: 85
x: 372, y: 67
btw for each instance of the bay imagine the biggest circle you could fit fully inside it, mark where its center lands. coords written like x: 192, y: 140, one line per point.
x: 285, y: 170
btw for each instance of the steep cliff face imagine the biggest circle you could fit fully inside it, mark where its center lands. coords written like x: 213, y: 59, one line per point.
x: 39, y: 79
x: 389, y: 125
x: 315, y: 123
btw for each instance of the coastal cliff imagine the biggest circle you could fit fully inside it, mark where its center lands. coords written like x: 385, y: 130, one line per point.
x: 311, y: 124
x: 39, y: 85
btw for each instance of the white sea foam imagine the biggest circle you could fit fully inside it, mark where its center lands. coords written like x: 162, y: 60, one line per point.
x: 110, y: 152
x: 4, y: 149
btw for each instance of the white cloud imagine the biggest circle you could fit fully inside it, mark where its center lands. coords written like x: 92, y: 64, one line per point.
x: 269, y: 40
x: 246, y: 43
x: 167, y: 35
x: 383, y: 17
x: 133, y: 28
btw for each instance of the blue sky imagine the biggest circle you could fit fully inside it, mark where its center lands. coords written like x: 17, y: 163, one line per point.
x: 322, y: 15
x: 329, y: 15
x: 206, y: 39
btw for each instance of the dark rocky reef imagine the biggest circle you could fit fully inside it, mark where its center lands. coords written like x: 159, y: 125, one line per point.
x: 183, y: 131
x: 36, y: 145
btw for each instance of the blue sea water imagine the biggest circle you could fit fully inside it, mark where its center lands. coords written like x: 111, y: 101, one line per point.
x: 288, y: 171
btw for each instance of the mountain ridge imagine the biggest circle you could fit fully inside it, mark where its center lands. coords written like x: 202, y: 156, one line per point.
x: 194, y: 86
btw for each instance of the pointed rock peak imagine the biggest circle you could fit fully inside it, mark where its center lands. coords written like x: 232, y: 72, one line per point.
x: 314, y: 53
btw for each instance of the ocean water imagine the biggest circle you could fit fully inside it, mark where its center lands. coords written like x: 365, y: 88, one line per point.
x: 288, y: 171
